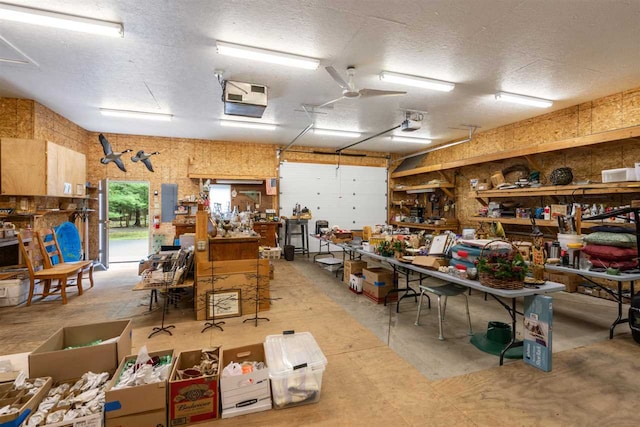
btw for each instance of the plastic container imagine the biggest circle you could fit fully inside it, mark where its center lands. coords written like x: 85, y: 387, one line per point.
x: 565, y: 239
x: 13, y: 292
x: 619, y: 175
x: 296, y: 364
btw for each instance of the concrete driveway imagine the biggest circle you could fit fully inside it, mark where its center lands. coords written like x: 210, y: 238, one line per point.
x: 128, y: 250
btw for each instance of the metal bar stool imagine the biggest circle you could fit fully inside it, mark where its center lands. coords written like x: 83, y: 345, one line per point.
x: 443, y: 290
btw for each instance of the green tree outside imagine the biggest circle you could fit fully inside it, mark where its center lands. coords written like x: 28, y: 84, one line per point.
x: 128, y: 204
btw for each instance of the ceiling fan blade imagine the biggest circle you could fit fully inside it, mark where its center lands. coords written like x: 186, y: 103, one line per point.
x: 337, y: 77
x: 329, y: 103
x: 367, y: 93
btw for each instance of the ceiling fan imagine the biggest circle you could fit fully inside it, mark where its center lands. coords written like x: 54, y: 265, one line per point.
x: 349, y: 90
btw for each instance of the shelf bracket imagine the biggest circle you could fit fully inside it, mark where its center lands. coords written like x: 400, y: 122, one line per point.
x: 532, y: 163
x: 445, y: 176
x: 447, y: 192
x: 482, y: 201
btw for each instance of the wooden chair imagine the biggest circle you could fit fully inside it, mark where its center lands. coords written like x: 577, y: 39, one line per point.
x: 34, y: 261
x: 50, y: 249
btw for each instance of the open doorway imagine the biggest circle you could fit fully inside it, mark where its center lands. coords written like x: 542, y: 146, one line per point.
x: 128, y: 221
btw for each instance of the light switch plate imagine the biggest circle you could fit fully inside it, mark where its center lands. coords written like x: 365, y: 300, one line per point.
x: 67, y: 188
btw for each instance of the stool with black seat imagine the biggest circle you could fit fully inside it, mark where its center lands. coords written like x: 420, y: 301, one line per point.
x: 302, y: 230
x: 441, y: 288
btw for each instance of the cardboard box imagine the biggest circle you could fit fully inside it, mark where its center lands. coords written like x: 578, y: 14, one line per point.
x: 194, y: 399
x: 378, y: 275
x: 153, y: 419
x: 28, y: 404
x: 430, y: 261
x: 93, y: 420
x: 538, y: 328
x: 377, y: 293
x: 50, y: 358
x: 352, y: 266
x: 138, y: 399
x: 247, y: 393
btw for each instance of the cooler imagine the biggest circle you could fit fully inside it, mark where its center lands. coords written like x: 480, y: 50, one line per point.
x: 296, y: 364
x: 13, y: 292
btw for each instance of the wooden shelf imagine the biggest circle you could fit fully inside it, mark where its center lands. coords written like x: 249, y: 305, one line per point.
x: 558, y: 190
x: 444, y: 186
x: 539, y: 222
x: 565, y: 144
x: 423, y: 226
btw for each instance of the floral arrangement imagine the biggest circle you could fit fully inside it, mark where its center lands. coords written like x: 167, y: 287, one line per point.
x: 385, y: 248
x: 503, y: 266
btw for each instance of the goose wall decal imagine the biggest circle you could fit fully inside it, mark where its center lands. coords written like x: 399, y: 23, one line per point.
x: 110, y: 155
x: 144, y: 158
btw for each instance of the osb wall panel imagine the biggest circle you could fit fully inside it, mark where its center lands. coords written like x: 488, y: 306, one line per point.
x: 51, y: 126
x: 232, y: 158
x: 16, y: 118
x: 608, y: 113
x: 374, y: 159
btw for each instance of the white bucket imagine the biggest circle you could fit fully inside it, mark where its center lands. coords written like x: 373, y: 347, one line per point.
x: 565, y: 239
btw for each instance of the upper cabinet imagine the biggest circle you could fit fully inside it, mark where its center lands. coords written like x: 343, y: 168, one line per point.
x: 30, y: 167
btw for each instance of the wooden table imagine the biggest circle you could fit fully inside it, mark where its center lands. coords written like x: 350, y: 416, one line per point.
x: 233, y: 248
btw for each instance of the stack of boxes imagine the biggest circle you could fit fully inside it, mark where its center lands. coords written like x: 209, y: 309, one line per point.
x: 190, y: 394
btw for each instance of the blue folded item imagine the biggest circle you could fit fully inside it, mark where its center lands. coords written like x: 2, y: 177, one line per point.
x: 455, y: 262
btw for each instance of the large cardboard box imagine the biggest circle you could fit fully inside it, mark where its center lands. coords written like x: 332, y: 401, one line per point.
x: 378, y: 275
x: 353, y: 266
x: 27, y: 404
x: 152, y: 419
x: 247, y: 393
x: 52, y: 360
x: 193, y: 400
x: 377, y: 293
x: 133, y: 402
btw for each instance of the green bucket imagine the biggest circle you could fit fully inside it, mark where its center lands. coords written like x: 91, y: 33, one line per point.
x: 496, y: 338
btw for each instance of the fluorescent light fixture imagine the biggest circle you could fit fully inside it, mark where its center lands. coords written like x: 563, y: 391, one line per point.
x: 414, y: 140
x: 416, y: 81
x: 136, y: 114
x: 46, y: 18
x: 340, y: 133
x: 522, y: 99
x: 265, y: 55
x: 421, y: 190
x: 247, y: 125
x: 239, y: 181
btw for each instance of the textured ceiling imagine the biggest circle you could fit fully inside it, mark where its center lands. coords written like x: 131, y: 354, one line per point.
x: 569, y: 51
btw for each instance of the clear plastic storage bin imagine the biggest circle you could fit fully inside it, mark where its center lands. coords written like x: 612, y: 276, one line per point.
x: 296, y: 364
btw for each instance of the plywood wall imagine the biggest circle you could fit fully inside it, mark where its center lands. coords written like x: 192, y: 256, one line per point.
x: 16, y: 118
x: 612, y: 112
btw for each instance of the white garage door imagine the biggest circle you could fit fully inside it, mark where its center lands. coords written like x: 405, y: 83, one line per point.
x: 349, y: 197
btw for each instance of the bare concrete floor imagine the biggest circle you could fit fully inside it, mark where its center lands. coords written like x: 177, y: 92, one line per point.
x: 382, y: 369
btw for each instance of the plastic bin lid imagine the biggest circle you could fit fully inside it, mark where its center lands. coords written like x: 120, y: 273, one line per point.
x: 287, y: 351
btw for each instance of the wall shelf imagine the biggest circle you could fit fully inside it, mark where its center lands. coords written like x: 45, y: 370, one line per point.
x: 444, y: 186
x: 539, y: 222
x: 423, y: 226
x: 565, y: 144
x: 558, y: 190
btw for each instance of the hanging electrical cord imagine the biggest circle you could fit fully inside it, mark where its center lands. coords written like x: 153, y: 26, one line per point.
x: 472, y: 130
x: 339, y: 150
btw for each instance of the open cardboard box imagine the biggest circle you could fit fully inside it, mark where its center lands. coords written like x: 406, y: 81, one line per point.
x: 51, y: 359
x: 131, y: 405
x: 192, y: 400
x: 246, y: 393
x: 28, y: 404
